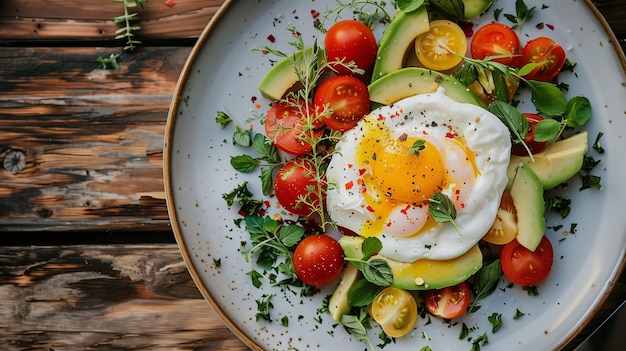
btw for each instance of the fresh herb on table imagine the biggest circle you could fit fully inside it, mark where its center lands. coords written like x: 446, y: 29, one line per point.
x: 128, y: 22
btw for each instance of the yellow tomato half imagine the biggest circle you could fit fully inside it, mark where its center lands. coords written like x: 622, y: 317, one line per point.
x: 395, y: 310
x: 442, y: 46
x: 504, y: 228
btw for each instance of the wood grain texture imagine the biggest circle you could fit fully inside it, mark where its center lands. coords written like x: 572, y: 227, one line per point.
x: 90, y: 140
x: 65, y: 20
x: 119, y: 297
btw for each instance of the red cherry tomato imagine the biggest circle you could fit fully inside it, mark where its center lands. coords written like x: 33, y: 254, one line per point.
x: 450, y: 302
x: 318, y: 260
x: 524, y: 267
x: 297, y: 188
x: 496, y: 39
x: 350, y: 40
x: 535, y: 147
x: 548, y: 53
x: 348, y: 99
x: 288, y: 125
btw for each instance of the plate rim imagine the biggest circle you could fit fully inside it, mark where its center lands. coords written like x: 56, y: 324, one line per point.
x: 169, y: 195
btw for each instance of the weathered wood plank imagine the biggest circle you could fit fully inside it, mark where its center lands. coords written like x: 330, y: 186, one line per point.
x: 37, y: 20
x: 117, y: 297
x: 81, y: 146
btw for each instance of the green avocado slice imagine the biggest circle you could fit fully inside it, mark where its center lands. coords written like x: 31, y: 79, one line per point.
x: 422, y: 274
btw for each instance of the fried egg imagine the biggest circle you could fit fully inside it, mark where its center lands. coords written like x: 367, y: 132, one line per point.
x: 385, y: 170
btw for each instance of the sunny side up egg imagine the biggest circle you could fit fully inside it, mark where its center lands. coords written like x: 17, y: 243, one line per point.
x: 386, y: 169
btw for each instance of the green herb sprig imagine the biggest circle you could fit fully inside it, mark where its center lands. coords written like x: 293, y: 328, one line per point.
x: 442, y: 210
x: 128, y: 22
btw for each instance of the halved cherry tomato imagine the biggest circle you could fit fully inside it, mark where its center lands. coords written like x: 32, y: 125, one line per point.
x: 395, y: 310
x: 292, y: 125
x: 524, y: 267
x: 318, y: 260
x: 350, y: 41
x: 535, y: 147
x: 450, y: 302
x: 297, y: 188
x: 504, y: 228
x: 442, y: 47
x: 495, y: 39
x: 548, y: 53
x: 348, y: 99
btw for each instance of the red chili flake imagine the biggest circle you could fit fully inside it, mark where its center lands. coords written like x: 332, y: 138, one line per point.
x: 266, y: 203
x: 370, y: 208
x: 253, y: 99
x: 350, y: 165
x: 314, y: 13
x: 241, y: 212
x: 271, y: 38
x: 449, y: 135
x: 349, y: 185
x: 550, y: 26
x: 405, y: 209
x: 169, y: 3
x: 362, y: 171
x: 388, y: 224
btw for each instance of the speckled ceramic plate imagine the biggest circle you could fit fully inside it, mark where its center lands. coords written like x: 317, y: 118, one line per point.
x: 222, y: 74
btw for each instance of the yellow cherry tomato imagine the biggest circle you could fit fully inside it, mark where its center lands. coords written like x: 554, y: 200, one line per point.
x: 504, y: 228
x: 440, y: 47
x: 395, y: 310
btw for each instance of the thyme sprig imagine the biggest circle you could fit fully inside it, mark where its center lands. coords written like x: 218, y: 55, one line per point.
x: 364, y: 11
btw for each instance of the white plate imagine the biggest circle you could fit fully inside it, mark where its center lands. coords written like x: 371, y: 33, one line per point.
x: 222, y: 74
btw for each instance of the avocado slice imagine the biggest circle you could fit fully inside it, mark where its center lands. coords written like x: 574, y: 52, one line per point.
x: 558, y: 164
x: 338, y: 304
x: 474, y: 8
x: 527, y: 194
x: 411, y: 81
x: 422, y: 274
x: 397, y: 39
x: 282, y: 76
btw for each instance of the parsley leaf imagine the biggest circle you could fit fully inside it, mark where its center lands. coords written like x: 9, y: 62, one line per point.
x: 496, y: 321
x: 417, y: 146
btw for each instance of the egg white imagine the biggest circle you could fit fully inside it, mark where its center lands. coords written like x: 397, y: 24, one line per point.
x: 486, y: 137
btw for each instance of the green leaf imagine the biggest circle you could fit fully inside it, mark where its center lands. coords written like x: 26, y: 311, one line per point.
x: 223, y: 118
x: 578, y: 111
x: 356, y: 326
x: 291, y: 235
x: 244, y: 163
x: 417, y: 146
x: 512, y: 118
x: 547, y: 129
x: 547, y: 98
x: 264, y: 146
x: 362, y: 293
x: 486, y: 280
x: 409, y: 5
x: 442, y: 209
x: 453, y: 10
x: 256, y: 278
x: 467, y: 74
x: 378, y: 272
x: 242, y: 136
x: 267, y: 184
x: 496, y: 321
x: 370, y: 246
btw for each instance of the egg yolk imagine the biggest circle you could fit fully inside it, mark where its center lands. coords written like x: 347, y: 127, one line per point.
x: 408, y: 170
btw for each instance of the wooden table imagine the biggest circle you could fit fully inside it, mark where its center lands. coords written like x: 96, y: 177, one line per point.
x: 87, y: 255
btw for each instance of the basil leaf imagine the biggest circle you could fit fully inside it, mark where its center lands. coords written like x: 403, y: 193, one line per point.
x: 486, y: 280
x: 409, y: 5
x: 466, y: 74
x: 547, y: 98
x: 378, y: 272
x: 242, y: 136
x: 499, y: 81
x: 264, y: 146
x: 267, y: 185
x: 547, y: 129
x: 578, y: 111
x: 244, y: 163
x: 453, y: 10
x: 356, y: 326
x: 442, y: 209
x: 370, y: 246
x: 512, y: 118
x: 362, y: 293
x: 291, y: 235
